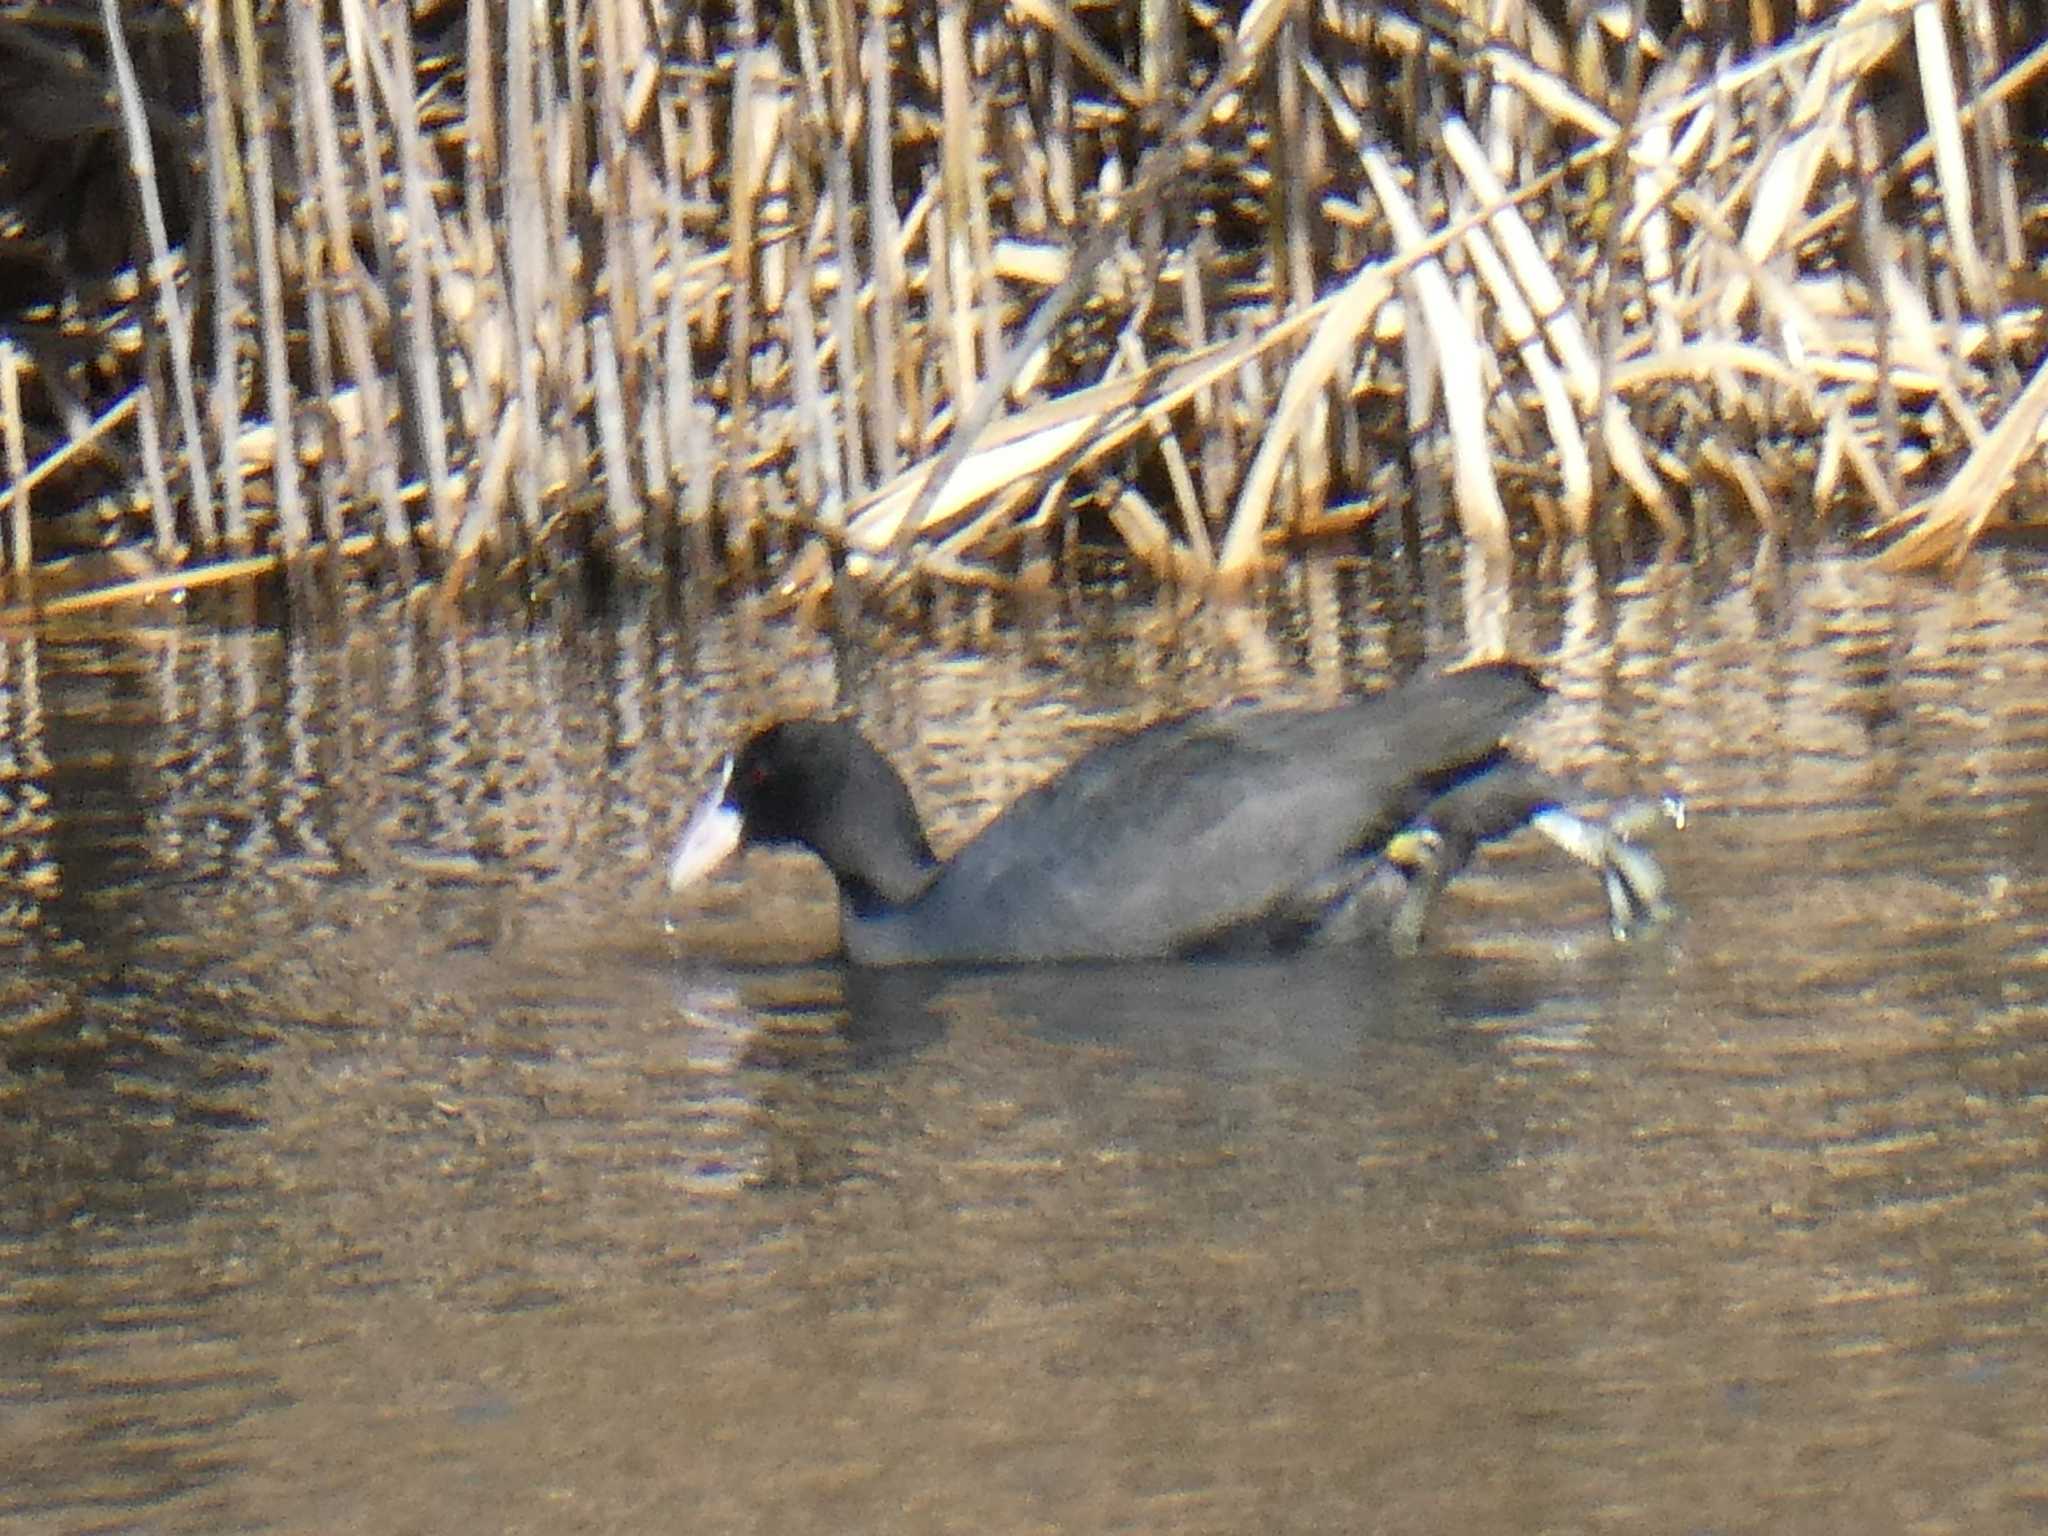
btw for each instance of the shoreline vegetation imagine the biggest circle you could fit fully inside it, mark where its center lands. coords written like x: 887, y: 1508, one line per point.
x: 456, y: 294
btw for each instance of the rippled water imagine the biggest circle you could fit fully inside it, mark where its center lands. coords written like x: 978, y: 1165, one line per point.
x: 383, y: 1151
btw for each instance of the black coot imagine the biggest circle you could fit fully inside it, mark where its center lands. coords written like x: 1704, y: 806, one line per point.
x: 1238, y: 830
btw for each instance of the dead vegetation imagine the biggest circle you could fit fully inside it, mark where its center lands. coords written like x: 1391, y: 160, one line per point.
x: 937, y: 290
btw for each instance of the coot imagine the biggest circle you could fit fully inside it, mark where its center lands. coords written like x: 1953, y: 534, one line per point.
x: 1243, y: 829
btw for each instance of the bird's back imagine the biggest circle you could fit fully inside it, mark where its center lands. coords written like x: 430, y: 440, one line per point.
x: 1160, y: 842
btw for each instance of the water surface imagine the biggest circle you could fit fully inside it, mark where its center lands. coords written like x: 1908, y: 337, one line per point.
x: 384, y: 1151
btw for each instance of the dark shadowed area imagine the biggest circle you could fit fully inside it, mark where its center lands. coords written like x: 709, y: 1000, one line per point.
x: 382, y: 1150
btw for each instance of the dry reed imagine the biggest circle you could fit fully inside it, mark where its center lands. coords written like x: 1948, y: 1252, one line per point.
x: 918, y: 290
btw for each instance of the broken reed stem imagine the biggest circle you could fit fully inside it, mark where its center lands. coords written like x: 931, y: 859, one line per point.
x: 144, y: 589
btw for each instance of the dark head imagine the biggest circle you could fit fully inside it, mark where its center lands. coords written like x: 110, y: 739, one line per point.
x: 820, y: 785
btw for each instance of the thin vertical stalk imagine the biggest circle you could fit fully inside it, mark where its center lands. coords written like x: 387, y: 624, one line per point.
x: 855, y: 364
x: 525, y: 240
x: 836, y: 108
x: 227, y: 199
x: 481, y: 162
x: 1993, y: 122
x: 1293, y: 275
x: 814, y: 406
x: 21, y: 552
x: 291, y: 511
x: 142, y: 166
x: 621, y: 504
x: 340, y: 455
x: 740, y: 272
x: 420, y: 354
x: 952, y: 259
x: 1875, y: 246
x: 1951, y: 168
x: 680, y: 422
x: 359, y: 73
x: 150, y: 430
x: 373, y: 432
x: 1059, y: 133
x: 613, y: 158
x: 890, y: 381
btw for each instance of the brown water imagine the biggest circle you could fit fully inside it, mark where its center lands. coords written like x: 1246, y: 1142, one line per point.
x: 381, y: 1151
